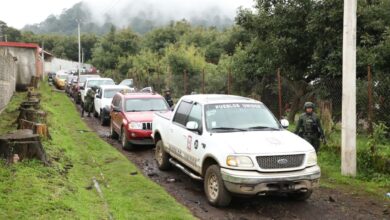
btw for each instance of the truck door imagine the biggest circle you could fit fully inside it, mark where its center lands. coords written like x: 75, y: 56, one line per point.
x: 195, y: 146
x: 98, y: 101
x: 187, y: 144
x: 115, y: 116
x: 178, y: 132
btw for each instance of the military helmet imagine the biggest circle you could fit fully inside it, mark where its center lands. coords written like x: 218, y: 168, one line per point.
x: 308, y: 105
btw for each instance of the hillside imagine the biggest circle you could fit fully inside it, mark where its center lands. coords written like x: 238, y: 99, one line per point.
x: 141, y: 20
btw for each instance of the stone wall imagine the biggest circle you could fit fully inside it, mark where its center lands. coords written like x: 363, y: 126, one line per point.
x: 8, y: 70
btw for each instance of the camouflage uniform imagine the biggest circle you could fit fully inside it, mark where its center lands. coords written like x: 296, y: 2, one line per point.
x: 89, y: 98
x: 309, y: 127
x: 168, y: 97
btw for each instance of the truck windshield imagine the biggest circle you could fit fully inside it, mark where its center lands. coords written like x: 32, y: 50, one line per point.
x: 100, y: 82
x: 83, y: 78
x: 109, y: 93
x: 141, y: 105
x: 239, y: 117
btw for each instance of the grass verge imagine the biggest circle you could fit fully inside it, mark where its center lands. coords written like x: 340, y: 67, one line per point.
x: 64, y: 190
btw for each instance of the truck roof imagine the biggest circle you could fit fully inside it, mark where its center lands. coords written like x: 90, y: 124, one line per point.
x: 113, y: 87
x: 141, y: 95
x: 98, y: 79
x: 218, y: 98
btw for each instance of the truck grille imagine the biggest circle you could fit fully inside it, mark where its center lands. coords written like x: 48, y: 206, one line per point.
x: 147, y: 126
x: 280, y: 161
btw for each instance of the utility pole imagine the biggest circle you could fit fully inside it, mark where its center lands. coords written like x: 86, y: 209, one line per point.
x: 82, y: 56
x: 79, y: 39
x: 348, y: 123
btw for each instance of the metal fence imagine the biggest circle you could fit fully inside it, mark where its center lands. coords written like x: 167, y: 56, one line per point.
x: 284, y: 97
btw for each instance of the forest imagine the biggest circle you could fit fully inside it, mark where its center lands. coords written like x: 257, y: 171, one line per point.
x: 301, y: 38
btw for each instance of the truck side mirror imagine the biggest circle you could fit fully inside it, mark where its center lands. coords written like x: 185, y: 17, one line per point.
x: 284, y: 123
x: 192, y: 126
x: 98, y: 96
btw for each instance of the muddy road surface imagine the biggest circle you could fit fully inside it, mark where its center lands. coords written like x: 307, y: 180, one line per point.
x: 324, y: 203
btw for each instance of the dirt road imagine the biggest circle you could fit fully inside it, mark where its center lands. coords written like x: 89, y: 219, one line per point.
x: 325, y: 203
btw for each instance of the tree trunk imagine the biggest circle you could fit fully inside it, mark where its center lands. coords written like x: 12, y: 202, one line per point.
x: 23, y: 143
x: 32, y: 115
x: 31, y: 103
x: 38, y: 128
x: 295, y: 106
x: 299, y: 91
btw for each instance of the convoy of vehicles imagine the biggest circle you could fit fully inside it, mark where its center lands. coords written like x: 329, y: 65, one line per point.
x: 70, y: 80
x: 59, y: 80
x: 236, y: 146
x: 103, y: 99
x: 131, y: 117
x: 75, y: 93
x: 93, y: 81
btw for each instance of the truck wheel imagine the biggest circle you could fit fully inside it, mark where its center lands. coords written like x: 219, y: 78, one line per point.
x: 125, y: 144
x: 215, y: 190
x: 162, y: 157
x: 113, y: 134
x: 103, y: 121
x: 300, y: 196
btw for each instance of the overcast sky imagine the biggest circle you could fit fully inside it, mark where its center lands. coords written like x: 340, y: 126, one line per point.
x: 17, y: 13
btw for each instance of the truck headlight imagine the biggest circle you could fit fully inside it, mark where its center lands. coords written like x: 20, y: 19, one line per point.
x: 311, y: 159
x: 239, y: 161
x: 135, y: 125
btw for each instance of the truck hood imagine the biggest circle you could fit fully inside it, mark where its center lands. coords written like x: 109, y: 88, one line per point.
x: 140, y: 116
x: 262, y: 142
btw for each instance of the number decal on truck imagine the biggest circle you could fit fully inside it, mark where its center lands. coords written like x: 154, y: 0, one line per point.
x: 189, y: 142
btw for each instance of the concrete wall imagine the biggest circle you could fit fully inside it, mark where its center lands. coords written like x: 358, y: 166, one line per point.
x: 59, y: 64
x: 26, y: 64
x: 8, y: 69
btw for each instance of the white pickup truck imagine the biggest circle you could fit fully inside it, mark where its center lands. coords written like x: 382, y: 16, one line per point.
x: 103, y: 99
x: 236, y: 146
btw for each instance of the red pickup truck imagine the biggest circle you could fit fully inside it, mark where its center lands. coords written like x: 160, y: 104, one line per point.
x: 132, y: 115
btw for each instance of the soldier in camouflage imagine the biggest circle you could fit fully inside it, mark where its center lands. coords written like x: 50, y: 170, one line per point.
x: 168, y: 97
x: 89, y: 98
x: 309, y: 126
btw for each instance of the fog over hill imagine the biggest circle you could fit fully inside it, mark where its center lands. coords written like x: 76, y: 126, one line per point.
x: 141, y: 16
